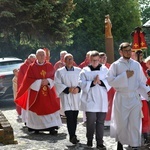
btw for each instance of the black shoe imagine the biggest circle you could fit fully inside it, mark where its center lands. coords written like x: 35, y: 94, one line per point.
x: 30, y: 130
x: 53, y: 132
x: 74, y: 140
x: 146, y: 142
x: 33, y: 131
x: 101, y: 146
x: 55, y: 128
x: 36, y: 132
x: 89, y: 143
x: 119, y: 146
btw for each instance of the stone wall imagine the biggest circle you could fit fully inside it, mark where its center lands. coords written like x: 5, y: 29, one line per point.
x: 6, y: 131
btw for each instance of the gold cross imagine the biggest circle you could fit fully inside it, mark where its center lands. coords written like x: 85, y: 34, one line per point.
x: 43, y: 73
x: 135, y: 45
x: 142, y: 43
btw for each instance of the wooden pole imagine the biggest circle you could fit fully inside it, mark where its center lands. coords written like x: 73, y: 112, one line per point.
x: 109, y: 47
x: 109, y: 43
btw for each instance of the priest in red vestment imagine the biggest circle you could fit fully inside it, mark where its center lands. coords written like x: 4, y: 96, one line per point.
x: 61, y: 63
x: 86, y: 62
x: 22, y: 70
x: 38, y: 98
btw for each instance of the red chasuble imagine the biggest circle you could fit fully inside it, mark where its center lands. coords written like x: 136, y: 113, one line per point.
x: 44, y: 101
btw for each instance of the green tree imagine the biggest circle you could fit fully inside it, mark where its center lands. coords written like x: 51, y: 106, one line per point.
x: 90, y: 34
x: 35, y: 23
x: 145, y: 10
x: 145, y: 16
x: 124, y: 15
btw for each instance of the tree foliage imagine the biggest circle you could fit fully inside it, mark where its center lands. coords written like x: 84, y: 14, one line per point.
x: 145, y: 16
x: 36, y: 22
x: 145, y: 10
x: 124, y: 15
x: 26, y: 25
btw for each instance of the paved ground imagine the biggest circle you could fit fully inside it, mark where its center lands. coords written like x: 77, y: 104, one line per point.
x: 45, y: 141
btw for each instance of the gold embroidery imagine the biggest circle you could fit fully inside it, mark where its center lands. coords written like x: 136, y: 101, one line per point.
x: 44, y: 90
x: 43, y: 73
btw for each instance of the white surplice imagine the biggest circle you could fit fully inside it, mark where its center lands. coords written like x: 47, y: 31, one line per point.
x: 35, y: 121
x: 94, y: 99
x: 64, y: 79
x: 126, y: 113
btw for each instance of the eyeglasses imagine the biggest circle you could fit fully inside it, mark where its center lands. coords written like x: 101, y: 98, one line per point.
x: 103, y: 57
x: 96, y: 60
x: 69, y: 59
x: 127, y: 51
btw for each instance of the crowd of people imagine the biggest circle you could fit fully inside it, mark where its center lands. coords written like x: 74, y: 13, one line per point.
x: 116, y: 92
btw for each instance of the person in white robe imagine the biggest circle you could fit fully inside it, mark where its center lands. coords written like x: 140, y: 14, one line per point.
x: 127, y: 77
x: 66, y: 83
x: 94, y: 100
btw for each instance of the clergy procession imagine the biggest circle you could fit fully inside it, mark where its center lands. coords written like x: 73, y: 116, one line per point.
x: 107, y: 92
x: 116, y: 93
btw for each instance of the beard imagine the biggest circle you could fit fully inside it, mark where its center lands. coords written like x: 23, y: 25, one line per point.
x: 126, y: 57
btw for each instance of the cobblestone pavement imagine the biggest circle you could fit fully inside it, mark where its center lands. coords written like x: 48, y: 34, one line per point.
x: 45, y: 141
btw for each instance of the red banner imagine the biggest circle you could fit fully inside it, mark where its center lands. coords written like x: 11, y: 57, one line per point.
x: 139, y: 41
x: 135, y: 43
x: 143, y: 41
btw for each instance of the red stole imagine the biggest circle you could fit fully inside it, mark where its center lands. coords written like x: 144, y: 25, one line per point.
x: 44, y: 101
